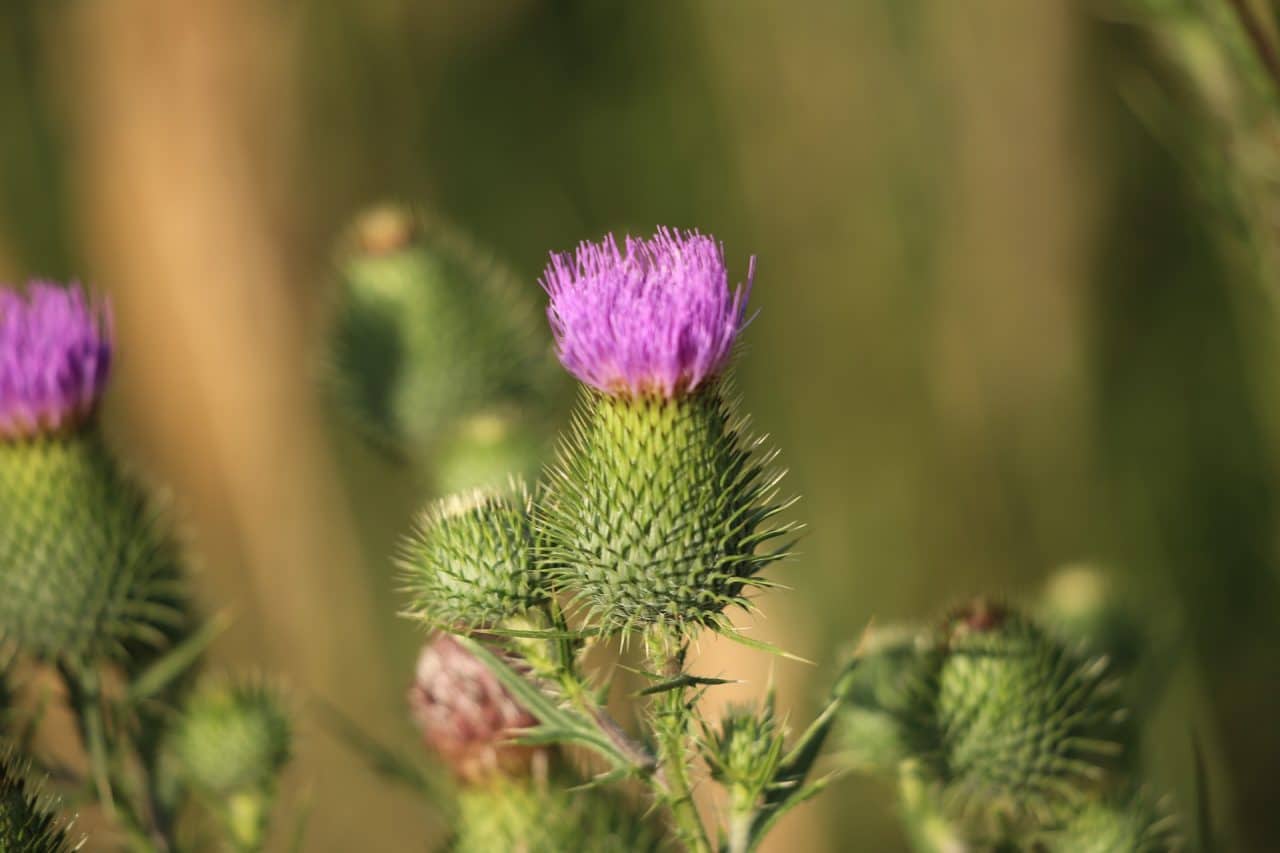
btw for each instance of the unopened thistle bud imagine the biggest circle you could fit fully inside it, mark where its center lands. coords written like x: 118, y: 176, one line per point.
x: 471, y: 562
x: 86, y: 568
x: 28, y: 820
x: 660, y: 502
x: 1130, y: 824
x: 1023, y: 726
x: 469, y: 718
x: 428, y: 331
x: 885, y: 718
x: 745, y: 753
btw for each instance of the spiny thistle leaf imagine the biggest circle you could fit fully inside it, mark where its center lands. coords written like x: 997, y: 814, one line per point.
x: 1023, y: 727
x: 28, y: 821
x: 471, y: 562
x: 548, y: 818
x: 428, y: 331
x: 234, y: 735
x: 87, y: 566
x: 658, y: 511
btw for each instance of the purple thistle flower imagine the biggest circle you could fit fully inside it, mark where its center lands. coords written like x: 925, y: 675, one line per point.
x: 55, y: 355
x: 658, y: 319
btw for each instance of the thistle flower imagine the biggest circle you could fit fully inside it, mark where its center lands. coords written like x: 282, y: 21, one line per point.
x: 471, y: 563
x: 660, y: 500
x: 55, y: 356
x: 468, y: 717
x: 658, y: 319
x: 1023, y: 727
x: 87, y: 568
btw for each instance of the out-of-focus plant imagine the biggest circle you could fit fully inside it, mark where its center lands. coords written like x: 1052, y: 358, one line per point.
x: 93, y: 587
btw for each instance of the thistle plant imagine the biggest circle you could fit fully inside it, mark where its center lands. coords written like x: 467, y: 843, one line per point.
x: 93, y: 587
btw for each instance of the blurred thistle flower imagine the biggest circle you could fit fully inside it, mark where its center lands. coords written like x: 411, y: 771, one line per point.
x: 1024, y: 728
x: 87, y: 565
x: 469, y: 718
x: 660, y: 501
x: 55, y: 356
x: 471, y: 562
x: 658, y: 319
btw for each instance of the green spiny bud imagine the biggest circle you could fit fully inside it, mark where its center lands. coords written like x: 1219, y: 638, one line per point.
x: 28, y: 820
x: 470, y: 564
x: 1022, y: 725
x: 656, y: 511
x: 744, y: 754
x: 1131, y: 824
x: 429, y: 330
x: 234, y: 736
x: 87, y: 568
x: 886, y: 718
x: 546, y: 818
x: 485, y: 450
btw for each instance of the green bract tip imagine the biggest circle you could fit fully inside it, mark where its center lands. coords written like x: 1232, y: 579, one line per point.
x: 540, y: 818
x: 429, y: 330
x: 87, y: 566
x: 28, y: 821
x: 233, y: 737
x: 471, y: 562
x: 1022, y: 725
x: 656, y: 511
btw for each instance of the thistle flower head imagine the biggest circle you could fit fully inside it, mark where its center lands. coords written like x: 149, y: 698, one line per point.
x: 55, y: 355
x: 234, y: 736
x: 656, y: 318
x: 467, y: 716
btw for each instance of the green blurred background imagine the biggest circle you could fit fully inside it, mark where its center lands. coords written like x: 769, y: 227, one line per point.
x: 1015, y: 289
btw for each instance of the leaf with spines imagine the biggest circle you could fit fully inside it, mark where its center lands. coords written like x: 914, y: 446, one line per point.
x: 88, y: 568
x: 1023, y: 727
x: 471, y: 562
x: 659, y: 512
x: 29, y: 822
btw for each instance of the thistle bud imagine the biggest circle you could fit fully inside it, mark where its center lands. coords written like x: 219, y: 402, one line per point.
x: 428, y: 331
x: 538, y: 818
x: 485, y: 450
x: 470, y: 564
x: 660, y: 501
x: 1131, y: 824
x: 231, y: 741
x: 745, y: 753
x: 885, y: 717
x: 1022, y: 724
x: 86, y: 566
x: 28, y: 820
x: 469, y: 718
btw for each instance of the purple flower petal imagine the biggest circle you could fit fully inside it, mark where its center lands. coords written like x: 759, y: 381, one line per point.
x: 55, y: 356
x: 657, y: 319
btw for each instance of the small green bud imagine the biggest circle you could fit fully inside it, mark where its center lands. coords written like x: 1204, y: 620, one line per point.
x: 28, y: 820
x: 546, y: 818
x: 233, y: 737
x: 657, y: 510
x: 1116, y: 825
x: 471, y: 562
x: 87, y: 567
x: 1022, y: 725
x: 745, y: 752
x: 484, y: 451
x: 429, y: 330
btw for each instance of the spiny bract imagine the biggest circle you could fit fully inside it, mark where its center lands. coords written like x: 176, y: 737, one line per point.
x: 28, y: 822
x: 656, y: 511
x: 549, y: 818
x: 233, y: 736
x: 471, y: 563
x: 1022, y: 725
x: 87, y: 568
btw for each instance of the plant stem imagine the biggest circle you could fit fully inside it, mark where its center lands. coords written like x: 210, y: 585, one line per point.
x: 85, y: 693
x: 670, y: 721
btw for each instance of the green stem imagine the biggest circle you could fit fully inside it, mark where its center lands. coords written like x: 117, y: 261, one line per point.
x: 742, y: 818
x: 85, y: 694
x: 670, y: 720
